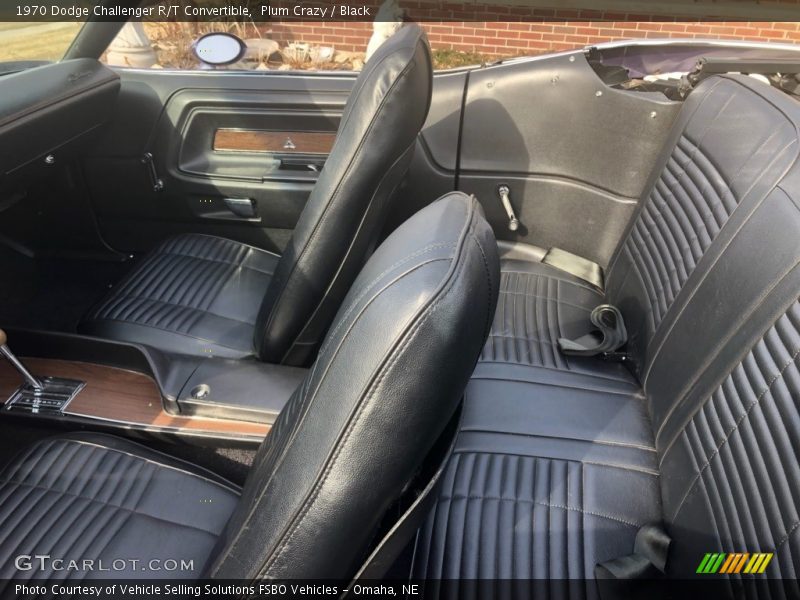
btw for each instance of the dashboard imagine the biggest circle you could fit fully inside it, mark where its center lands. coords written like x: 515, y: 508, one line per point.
x: 48, y: 110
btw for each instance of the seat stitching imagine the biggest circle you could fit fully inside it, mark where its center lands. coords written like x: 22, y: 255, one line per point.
x: 526, y: 338
x: 110, y: 539
x: 367, y: 288
x: 577, y: 284
x: 653, y: 288
x: 186, y: 307
x: 628, y: 394
x: 140, y: 458
x: 237, y: 264
x: 745, y: 415
x: 540, y: 503
x: 513, y: 310
x: 525, y: 307
x: 553, y: 323
x: 110, y: 517
x: 693, y: 385
x: 116, y: 506
x: 594, y: 463
x: 715, y: 260
x: 650, y: 312
x: 598, y: 441
x: 550, y: 298
x: 596, y: 376
x: 678, y: 221
x: 180, y: 333
x: 786, y: 537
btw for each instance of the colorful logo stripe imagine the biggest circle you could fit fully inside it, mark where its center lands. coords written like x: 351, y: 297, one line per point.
x: 735, y: 562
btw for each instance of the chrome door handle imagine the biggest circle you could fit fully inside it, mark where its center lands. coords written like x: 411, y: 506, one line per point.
x: 503, y: 192
x: 241, y: 207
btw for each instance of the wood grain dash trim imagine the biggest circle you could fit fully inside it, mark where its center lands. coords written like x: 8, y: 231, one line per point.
x: 273, y: 142
x: 125, y: 397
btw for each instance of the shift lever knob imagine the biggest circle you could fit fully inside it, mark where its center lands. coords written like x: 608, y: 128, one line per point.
x: 6, y: 351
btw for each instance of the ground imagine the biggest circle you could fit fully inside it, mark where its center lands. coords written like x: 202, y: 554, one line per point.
x: 36, y: 41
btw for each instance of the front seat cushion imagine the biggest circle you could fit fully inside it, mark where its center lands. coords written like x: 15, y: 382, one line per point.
x: 194, y: 294
x: 98, y: 497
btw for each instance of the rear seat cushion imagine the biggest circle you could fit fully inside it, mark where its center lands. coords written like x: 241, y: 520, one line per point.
x: 547, y: 479
x: 539, y: 304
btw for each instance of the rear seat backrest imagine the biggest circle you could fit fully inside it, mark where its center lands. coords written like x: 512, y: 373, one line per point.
x: 728, y: 149
x: 709, y: 282
x: 730, y: 476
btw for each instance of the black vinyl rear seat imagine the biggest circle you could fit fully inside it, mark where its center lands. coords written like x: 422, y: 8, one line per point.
x: 561, y: 460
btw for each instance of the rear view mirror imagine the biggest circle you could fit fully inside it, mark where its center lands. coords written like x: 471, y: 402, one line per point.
x: 219, y: 49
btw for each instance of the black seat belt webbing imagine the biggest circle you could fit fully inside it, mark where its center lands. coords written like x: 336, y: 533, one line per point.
x: 649, y: 558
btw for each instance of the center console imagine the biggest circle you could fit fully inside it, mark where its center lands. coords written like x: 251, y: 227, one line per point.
x: 76, y: 379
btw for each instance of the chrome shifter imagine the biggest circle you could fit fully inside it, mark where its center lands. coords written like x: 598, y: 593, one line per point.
x: 6, y: 351
x: 45, y: 394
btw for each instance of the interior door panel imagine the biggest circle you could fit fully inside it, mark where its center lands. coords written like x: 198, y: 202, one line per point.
x: 181, y: 176
x: 236, y: 154
x: 575, y: 153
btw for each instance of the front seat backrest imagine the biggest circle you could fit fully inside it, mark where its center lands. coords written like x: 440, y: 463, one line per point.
x: 386, y: 382
x: 344, y: 214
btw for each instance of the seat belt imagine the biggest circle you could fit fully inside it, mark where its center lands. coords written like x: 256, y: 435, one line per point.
x: 637, y: 576
x: 648, y: 561
x: 609, y: 337
x: 577, y: 266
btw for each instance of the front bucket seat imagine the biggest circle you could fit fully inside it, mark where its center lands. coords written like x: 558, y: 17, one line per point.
x: 387, y: 380
x: 204, y: 295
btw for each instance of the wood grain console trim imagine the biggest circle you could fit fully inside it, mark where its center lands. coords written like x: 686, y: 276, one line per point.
x: 273, y: 142
x: 127, y: 398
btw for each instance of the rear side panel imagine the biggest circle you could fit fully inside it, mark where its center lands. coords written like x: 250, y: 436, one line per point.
x: 576, y: 154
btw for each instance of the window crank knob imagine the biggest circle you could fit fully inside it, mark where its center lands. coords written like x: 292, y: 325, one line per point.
x: 504, y: 192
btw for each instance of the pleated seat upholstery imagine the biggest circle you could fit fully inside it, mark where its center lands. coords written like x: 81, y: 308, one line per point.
x: 92, y: 497
x: 195, y: 294
x: 560, y: 460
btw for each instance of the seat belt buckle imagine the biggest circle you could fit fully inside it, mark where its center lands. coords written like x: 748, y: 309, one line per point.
x: 609, y: 336
x: 617, y: 357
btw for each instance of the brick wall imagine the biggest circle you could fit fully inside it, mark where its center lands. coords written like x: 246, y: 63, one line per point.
x: 520, y: 30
